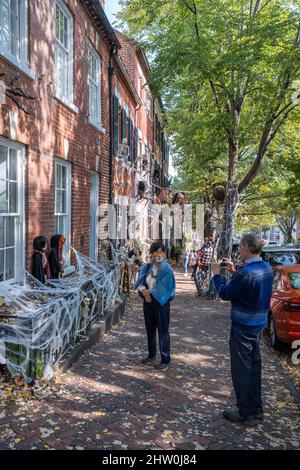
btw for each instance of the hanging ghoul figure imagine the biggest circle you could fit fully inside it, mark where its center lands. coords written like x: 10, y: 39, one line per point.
x: 55, y: 257
x: 40, y: 265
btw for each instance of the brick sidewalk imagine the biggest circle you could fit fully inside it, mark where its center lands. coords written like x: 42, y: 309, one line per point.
x: 110, y: 401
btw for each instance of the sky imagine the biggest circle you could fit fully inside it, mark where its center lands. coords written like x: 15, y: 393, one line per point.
x: 111, y: 7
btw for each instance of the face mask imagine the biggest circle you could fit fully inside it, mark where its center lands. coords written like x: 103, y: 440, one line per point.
x: 158, y: 259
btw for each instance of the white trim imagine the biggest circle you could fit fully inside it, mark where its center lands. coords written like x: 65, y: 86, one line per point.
x: 98, y: 128
x: 70, y: 106
x: 121, y: 200
x: 118, y: 95
x: 19, y: 65
x: 22, y: 62
x: 68, y: 101
x: 68, y: 213
x: 94, y: 204
x: 19, y: 233
x: 98, y: 84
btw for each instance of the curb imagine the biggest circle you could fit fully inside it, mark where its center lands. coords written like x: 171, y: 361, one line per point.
x: 112, y: 316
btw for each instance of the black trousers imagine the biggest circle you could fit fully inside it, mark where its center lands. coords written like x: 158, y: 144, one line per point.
x: 157, y: 317
x: 246, y: 369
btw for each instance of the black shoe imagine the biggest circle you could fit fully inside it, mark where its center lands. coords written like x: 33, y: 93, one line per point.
x: 162, y: 365
x: 259, y: 414
x: 235, y: 417
x: 148, y: 360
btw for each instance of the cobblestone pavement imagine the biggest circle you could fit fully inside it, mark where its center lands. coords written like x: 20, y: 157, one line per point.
x: 110, y: 401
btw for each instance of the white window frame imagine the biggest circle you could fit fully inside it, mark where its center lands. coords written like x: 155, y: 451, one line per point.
x: 94, y: 204
x: 96, y: 120
x: 68, y: 99
x: 21, y: 59
x: 19, y: 268
x: 67, y: 213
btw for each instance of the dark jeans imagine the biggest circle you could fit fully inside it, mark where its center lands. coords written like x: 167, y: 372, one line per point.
x: 246, y: 369
x: 158, y: 318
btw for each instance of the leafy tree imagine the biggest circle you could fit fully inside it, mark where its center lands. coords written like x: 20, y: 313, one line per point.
x: 229, y: 74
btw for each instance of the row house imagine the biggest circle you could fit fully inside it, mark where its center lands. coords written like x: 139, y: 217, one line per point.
x: 151, y: 148
x: 79, y: 128
x: 55, y: 170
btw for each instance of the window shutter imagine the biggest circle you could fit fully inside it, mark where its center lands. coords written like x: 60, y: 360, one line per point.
x: 162, y: 142
x: 115, y: 125
x: 123, y: 124
x: 130, y: 139
x: 136, y: 143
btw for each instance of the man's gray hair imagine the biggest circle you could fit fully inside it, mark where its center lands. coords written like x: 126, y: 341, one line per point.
x: 253, y: 243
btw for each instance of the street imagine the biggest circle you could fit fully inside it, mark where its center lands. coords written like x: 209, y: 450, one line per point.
x: 110, y: 401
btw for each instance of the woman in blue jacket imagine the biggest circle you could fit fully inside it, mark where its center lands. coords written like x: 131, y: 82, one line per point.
x: 156, y: 285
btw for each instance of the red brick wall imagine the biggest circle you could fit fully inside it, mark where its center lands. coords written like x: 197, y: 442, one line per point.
x: 120, y: 84
x: 44, y: 132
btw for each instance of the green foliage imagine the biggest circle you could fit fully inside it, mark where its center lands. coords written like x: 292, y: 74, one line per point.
x: 227, y: 71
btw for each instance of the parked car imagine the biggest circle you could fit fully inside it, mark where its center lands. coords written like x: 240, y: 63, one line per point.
x: 281, y: 255
x: 284, y: 315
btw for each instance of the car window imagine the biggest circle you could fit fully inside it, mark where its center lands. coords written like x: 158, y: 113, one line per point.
x: 295, y: 280
x: 283, y: 258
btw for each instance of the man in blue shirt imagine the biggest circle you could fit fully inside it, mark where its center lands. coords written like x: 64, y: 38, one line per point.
x: 249, y: 291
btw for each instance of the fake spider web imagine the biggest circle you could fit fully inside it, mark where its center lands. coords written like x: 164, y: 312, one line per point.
x: 39, y: 324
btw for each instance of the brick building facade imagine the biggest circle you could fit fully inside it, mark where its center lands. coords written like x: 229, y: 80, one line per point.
x: 61, y: 73
x: 150, y: 143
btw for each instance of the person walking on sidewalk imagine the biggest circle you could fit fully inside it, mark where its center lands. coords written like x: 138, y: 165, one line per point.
x: 249, y: 291
x: 186, y: 262
x: 156, y: 285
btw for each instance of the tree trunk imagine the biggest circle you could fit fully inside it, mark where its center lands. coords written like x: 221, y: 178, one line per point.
x: 231, y: 204
x: 286, y: 225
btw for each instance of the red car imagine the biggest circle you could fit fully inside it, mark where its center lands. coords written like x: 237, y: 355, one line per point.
x: 284, y: 316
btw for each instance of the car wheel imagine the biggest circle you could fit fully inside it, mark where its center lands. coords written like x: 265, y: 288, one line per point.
x: 273, y: 335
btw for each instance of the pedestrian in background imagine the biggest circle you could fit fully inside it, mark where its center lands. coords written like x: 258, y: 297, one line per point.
x: 249, y: 291
x: 156, y: 285
x: 186, y: 262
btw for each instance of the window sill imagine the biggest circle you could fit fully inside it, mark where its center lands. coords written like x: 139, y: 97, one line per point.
x: 98, y: 127
x: 19, y: 65
x: 71, y: 106
x: 69, y: 270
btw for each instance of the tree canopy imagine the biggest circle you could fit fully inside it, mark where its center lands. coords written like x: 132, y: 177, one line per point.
x: 230, y: 78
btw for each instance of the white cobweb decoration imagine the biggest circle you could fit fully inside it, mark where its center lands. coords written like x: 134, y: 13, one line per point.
x: 39, y: 324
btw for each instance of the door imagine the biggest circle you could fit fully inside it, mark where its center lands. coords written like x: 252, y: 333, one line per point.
x: 94, y: 202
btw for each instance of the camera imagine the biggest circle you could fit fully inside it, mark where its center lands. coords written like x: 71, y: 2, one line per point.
x: 223, y: 264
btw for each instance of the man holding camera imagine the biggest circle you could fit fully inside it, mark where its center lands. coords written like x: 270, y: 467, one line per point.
x: 249, y: 291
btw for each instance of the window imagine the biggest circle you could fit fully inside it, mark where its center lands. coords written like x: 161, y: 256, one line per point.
x: 64, y: 53
x: 294, y: 279
x: 14, y: 32
x: 140, y: 86
x: 94, y: 84
x: 63, y: 205
x: 11, y: 212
